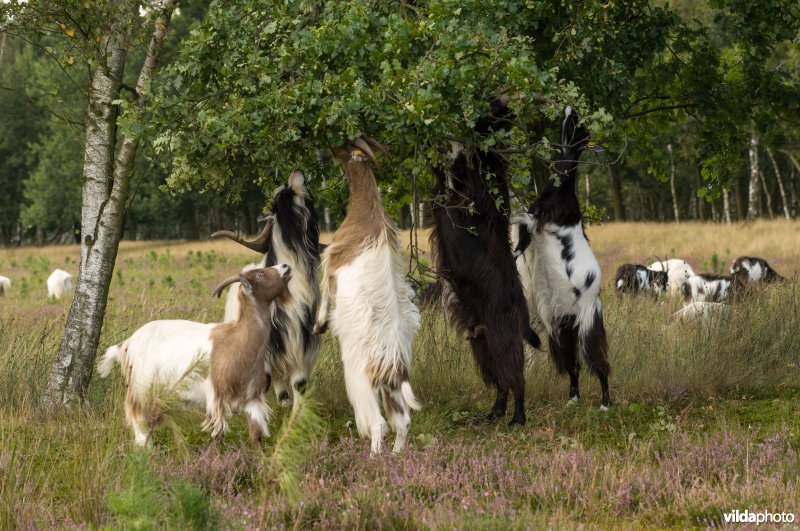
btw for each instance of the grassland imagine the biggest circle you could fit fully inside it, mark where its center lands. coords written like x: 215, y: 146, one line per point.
x: 705, y: 416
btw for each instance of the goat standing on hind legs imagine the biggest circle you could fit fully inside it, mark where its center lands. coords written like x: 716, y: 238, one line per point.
x: 368, y: 302
x: 566, y: 275
x: 480, y: 283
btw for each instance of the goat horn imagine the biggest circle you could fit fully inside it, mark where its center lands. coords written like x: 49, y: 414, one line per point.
x: 259, y: 244
x: 225, y: 284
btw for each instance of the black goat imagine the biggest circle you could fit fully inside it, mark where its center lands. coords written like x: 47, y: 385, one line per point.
x: 480, y: 286
x: 636, y: 278
x: 291, y: 236
x: 566, y: 274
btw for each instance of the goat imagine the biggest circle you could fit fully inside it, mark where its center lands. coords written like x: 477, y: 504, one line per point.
x: 480, y: 285
x: 566, y: 278
x: 700, y: 311
x: 636, y: 278
x: 291, y: 236
x: 59, y: 283
x: 678, y: 272
x: 708, y: 288
x: 5, y: 285
x: 163, y: 353
x: 368, y: 303
x: 748, y: 269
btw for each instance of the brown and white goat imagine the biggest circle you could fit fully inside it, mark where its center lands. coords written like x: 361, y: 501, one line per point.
x: 162, y: 355
x: 367, y: 301
x: 290, y: 236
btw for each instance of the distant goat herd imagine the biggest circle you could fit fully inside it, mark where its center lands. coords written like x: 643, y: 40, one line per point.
x: 275, y: 311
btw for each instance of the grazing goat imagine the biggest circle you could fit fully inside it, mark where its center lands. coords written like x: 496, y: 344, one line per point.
x: 708, y: 288
x: 369, y: 304
x: 700, y: 311
x: 746, y: 269
x: 291, y: 236
x: 635, y: 278
x: 678, y: 272
x: 5, y: 285
x: 59, y: 283
x: 566, y: 278
x: 162, y: 354
x: 480, y: 285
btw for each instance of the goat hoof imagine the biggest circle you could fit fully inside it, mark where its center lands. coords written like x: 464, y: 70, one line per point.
x: 495, y: 415
x: 572, y: 401
x: 517, y: 421
x: 320, y: 328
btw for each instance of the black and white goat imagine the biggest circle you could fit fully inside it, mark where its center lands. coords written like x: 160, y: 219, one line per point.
x: 636, y: 278
x: 5, y: 285
x: 291, y: 236
x: 368, y: 303
x: 747, y: 269
x: 480, y: 286
x: 566, y: 278
x: 708, y: 288
x: 678, y: 271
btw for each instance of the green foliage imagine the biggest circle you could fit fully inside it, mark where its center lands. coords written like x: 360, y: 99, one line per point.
x: 138, y: 504
x: 191, y: 507
x: 283, y: 468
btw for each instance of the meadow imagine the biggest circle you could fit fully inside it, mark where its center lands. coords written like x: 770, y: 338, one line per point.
x: 704, y: 420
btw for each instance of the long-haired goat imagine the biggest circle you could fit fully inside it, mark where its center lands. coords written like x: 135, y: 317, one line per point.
x: 162, y: 354
x: 636, y: 278
x: 5, y: 285
x: 291, y: 236
x: 480, y: 285
x: 59, y: 283
x: 369, y: 305
x: 748, y: 269
x: 678, y: 272
x: 566, y: 279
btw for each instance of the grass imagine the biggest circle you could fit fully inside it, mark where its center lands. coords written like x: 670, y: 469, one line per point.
x: 705, y: 417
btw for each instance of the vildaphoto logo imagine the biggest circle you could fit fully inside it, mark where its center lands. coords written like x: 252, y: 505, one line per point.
x: 761, y: 517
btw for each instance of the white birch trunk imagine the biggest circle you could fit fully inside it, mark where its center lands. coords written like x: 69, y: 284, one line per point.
x: 106, y: 183
x: 781, y: 189
x: 752, y: 196
x: 766, y: 193
x: 675, y: 209
x: 726, y: 205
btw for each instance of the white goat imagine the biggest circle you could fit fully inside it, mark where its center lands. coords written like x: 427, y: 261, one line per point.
x: 700, y: 311
x: 59, y: 283
x: 678, y: 271
x: 5, y: 285
x: 368, y: 302
x: 161, y: 355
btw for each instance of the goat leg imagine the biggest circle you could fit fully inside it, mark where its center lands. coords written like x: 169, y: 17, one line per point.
x: 476, y: 332
x: 499, y: 408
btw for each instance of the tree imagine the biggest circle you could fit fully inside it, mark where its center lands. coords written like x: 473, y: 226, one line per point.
x: 100, y: 34
x: 284, y: 81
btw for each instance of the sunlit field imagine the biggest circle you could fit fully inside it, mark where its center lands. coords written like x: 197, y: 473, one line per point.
x: 705, y: 416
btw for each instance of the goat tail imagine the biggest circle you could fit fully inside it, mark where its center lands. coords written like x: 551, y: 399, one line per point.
x: 111, y: 355
x: 408, y: 396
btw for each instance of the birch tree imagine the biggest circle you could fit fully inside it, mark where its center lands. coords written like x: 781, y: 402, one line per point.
x: 753, y: 210
x: 100, y: 34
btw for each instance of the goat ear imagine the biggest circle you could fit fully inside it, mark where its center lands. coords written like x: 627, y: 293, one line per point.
x: 246, y: 285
